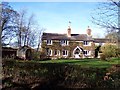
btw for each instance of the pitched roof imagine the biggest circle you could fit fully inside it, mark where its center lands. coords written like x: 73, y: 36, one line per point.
x: 9, y: 49
x: 56, y: 36
x: 101, y: 40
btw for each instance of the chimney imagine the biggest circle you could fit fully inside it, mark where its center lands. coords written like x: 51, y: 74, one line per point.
x: 69, y: 30
x: 88, y: 31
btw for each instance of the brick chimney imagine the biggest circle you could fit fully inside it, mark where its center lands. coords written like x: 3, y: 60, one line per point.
x: 69, y: 30
x: 89, y: 31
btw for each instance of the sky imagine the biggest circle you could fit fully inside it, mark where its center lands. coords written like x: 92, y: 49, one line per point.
x: 55, y: 16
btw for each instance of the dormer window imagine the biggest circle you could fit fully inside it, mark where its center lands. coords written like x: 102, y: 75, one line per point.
x: 64, y: 42
x: 85, y: 43
x: 49, y: 42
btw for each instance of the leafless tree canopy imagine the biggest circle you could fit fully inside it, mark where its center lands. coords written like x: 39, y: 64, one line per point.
x: 107, y: 15
x: 18, y: 26
x: 7, y: 22
x: 25, y: 32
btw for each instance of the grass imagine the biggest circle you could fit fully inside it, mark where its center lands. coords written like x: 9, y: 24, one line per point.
x: 66, y: 73
x: 84, y: 62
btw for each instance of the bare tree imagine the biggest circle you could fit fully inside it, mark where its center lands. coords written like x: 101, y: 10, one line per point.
x: 7, y: 23
x: 113, y: 37
x: 25, y: 33
x: 0, y: 35
x: 107, y: 16
x: 19, y: 26
x: 39, y: 38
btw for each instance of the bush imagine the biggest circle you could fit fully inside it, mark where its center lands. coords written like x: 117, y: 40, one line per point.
x: 118, y: 52
x: 102, y: 56
x: 36, y: 55
x: 51, y: 76
x: 43, y: 56
x: 30, y: 75
x: 109, y: 50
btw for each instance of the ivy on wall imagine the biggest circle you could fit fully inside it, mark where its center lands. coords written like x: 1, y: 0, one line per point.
x: 70, y: 47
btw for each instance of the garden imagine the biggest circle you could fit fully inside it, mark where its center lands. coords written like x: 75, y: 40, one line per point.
x: 48, y: 74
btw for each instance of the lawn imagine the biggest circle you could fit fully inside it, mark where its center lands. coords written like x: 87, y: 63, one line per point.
x: 59, y: 73
x: 85, y: 62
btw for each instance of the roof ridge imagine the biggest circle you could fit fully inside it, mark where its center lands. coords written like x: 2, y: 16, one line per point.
x: 55, y: 33
x: 64, y: 33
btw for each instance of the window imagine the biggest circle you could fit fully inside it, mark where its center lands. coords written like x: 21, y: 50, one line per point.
x: 57, y: 52
x: 65, y: 52
x: 86, y: 52
x: 49, y: 52
x: 64, y: 42
x: 85, y: 43
x: 49, y: 42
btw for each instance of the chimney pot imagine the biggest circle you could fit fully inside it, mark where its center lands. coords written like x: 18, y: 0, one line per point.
x: 88, y: 31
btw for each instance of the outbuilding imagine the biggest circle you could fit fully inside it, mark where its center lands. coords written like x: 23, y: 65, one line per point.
x: 25, y: 52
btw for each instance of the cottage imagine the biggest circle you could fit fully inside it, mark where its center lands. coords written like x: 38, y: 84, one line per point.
x: 69, y: 45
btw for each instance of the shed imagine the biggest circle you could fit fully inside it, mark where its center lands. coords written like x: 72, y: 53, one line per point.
x: 25, y: 52
x: 9, y: 52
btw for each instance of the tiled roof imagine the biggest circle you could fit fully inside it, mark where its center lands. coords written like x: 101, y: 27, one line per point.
x: 56, y: 36
x: 74, y: 37
x: 101, y: 40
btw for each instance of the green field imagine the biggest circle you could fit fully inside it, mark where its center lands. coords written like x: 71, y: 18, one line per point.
x: 83, y: 62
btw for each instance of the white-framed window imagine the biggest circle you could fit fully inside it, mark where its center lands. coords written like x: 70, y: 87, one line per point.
x: 57, y: 53
x: 86, y: 52
x: 64, y: 42
x: 65, y: 53
x: 49, y: 42
x: 49, y: 52
x: 85, y: 42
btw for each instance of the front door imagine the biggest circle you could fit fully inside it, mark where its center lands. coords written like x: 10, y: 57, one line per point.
x: 77, y: 52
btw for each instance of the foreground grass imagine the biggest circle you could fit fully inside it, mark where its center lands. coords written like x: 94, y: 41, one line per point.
x: 97, y: 63
x: 37, y: 75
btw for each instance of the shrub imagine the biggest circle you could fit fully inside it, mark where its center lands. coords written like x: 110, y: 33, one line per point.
x: 102, y: 56
x: 43, y: 56
x: 109, y: 50
x: 118, y: 52
x: 36, y: 55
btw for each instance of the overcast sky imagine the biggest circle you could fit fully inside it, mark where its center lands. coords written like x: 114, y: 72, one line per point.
x: 55, y: 16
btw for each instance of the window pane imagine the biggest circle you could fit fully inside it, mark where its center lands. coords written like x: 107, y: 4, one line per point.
x: 64, y: 42
x: 63, y: 52
x: 49, y: 42
x: 55, y: 53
